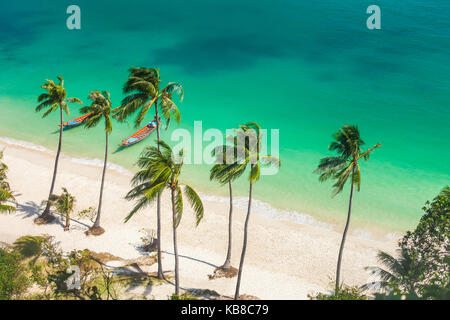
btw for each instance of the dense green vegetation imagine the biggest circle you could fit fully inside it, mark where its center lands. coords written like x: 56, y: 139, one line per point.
x: 13, y: 279
x: 421, y: 269
x: 35, y: 267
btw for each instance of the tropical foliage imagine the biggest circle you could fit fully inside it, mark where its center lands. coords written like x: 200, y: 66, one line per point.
x: 160, y: 169
x: 55, y: 98
x: 64, y: 205
x: 6, y: 195
x: 422, y: 266
x: 13, y: 279
x: 347, y: 143
x: 144, y: 91
x: 344, y: 293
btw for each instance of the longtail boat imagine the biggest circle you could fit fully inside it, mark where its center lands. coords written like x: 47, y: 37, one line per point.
x: 75, y: 122
x: 140, y: 135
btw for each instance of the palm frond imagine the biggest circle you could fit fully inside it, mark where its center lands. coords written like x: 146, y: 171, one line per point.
x: 146, y: 196
x: 54, y: 107
x: 195, y: 202
x: 254, y: 173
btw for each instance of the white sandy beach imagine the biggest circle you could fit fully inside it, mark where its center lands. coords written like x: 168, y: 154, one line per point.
x: 285, y: 260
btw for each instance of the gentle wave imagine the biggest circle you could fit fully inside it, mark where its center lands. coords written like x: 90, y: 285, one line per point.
x: 85, y: 161
x: 265, y: 209
x: 24, y: 144
x: 99, y: 163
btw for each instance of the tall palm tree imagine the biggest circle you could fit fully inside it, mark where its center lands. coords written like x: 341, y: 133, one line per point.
x: 160, y: 169
x: 143, y: 91
x: 247, y: 144
x: 99, y: 109
x: 347, y: 143
x: 6, y: 194
x: 54, y: 98
x: 221, y: 173
x: 64, y: 204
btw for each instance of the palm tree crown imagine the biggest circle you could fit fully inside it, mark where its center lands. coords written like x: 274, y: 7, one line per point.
x: 55, y: 97
x: 100, y: 109
x: 245, y: 150
x: 348, y: 145
x: 63, y: 203
x: 403, y: 272
x: 161, y: 170
x: 143, y: 89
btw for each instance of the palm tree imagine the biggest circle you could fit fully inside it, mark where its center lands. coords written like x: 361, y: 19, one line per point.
x: 160, y: 169
x: 221, y: 173
x: 143, y: 91
x: 404, y: 272
x: 348, y: 145
x: 247, y: 144
x: 5, y: 190
x: 64, y: 204
x: 54, y: 98
x: 99, y: 109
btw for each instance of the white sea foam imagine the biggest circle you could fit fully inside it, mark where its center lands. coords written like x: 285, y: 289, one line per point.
x: 265, y: 209
x: 363, y: 234
x: 85, y: 161
x: 24, y: 144
x: 99, y: 163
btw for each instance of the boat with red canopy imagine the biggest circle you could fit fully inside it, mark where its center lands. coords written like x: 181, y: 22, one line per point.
x: 140, y: 135
x: 75, y: 122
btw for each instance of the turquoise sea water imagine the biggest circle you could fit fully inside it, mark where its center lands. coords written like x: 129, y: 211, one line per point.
x: 304, y: 67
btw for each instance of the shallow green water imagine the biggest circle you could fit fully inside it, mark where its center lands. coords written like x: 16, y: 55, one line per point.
x: 304, y: 68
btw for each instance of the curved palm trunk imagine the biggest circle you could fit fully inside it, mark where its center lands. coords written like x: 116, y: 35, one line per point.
x: 227, y: 263
x: 244, y: 247
x: 47, y: 216
x: 158, y: 208
x: 96, y: 227
x: 344, y: 235
x: 175, y: 246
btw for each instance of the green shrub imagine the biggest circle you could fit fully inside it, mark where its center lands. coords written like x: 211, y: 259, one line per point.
x: 344, y: 293
x: 183, y: 296
x: 13, y: 279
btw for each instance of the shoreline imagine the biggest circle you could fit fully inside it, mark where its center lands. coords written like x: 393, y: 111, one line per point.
x: 260, y: 207
x: 285, y: 260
